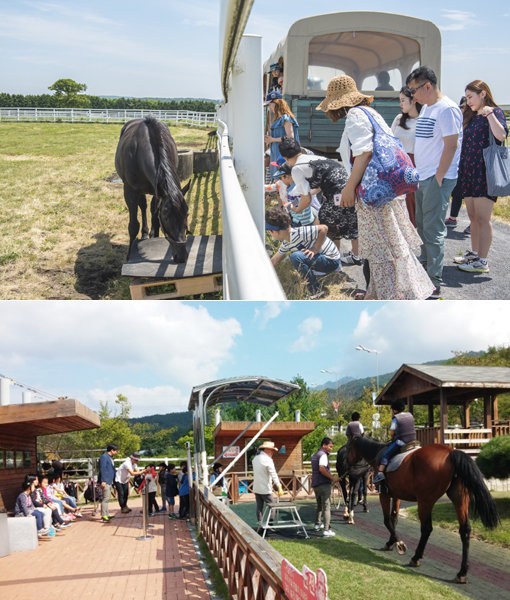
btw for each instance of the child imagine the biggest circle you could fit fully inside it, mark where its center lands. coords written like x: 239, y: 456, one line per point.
x: 171, y: 489
x: 152, y: 488
x: 309, y: 246
x: 299, y: 218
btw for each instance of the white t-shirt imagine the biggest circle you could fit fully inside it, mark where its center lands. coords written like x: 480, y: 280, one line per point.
x: 406, y: 136
x: 358, y: 135
x: 264, y: 474
x: 123, y: 475
x: 302, y: 238
x: 301, y: 170
x: 324, y: 461
x: 435, y: 123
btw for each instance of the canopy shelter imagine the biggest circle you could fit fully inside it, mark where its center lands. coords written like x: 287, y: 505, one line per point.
x: 445, y: 385
x: 254, y: 389
x: 21, y: 424
x: 360, y: 44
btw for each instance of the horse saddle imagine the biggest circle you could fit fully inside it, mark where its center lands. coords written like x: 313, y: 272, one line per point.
x: 396, y: 461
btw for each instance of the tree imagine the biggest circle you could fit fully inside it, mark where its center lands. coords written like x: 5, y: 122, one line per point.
x: 494, y: 458
x: 66, y: 93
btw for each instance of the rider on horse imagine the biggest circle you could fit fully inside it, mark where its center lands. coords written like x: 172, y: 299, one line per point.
x: 402, y: 431
x: 355, y: 428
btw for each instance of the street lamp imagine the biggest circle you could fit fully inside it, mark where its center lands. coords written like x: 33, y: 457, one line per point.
x: 376, y: 352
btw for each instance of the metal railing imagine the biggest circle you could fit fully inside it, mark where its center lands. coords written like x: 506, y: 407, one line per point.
x: 110, y: 115
x: 247, y: 270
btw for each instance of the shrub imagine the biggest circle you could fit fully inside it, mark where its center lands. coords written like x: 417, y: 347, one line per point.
x: 494, y: 458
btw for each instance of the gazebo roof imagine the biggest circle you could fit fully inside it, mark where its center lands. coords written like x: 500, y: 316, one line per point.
x: 255, y: 389
x: 44, y: 418
x: 461, y: 384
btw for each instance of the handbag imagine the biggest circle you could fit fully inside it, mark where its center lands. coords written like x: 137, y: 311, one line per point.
x: 497, y: 167
x: 390, y: 172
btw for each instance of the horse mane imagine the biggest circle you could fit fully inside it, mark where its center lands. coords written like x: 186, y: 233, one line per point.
x: 367, y: 447
x: 167, y: 183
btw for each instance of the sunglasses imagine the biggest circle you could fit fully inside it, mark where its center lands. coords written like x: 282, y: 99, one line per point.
x: 414, y: 90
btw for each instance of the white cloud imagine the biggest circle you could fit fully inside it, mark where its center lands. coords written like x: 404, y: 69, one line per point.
x: 270, y: 310
x: 177, y: 341
x: 309, y: 329
x: 459, y: 20
x: 144, y: 401
x: 408, y: 332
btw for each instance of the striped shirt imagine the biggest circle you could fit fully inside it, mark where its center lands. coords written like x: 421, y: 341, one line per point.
x: 303, y: 238
x: 435, y: 123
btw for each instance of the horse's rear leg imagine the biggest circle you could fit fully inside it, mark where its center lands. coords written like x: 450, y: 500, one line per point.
x: 154, y: 217
x: 354, y: 483
x: 459, y: 495
x: 425, y: 516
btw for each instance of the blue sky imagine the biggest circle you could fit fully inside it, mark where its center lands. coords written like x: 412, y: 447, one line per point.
x: 170, y: 49
x: 154, y: 352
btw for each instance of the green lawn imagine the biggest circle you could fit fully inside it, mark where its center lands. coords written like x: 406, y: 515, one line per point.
x: 357, y: 572
x: 64, y: 219
x: 443, y: 515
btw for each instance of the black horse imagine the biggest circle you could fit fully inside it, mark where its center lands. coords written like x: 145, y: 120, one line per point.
x: 146, y: 161
x: 358, y: 476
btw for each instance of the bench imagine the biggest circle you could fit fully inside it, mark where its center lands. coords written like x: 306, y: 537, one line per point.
x: 22, y: 533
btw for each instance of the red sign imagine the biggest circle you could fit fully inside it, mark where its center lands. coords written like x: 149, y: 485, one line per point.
x: 303, y: 586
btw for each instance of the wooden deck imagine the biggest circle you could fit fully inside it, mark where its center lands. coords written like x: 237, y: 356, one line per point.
x: 105, y: 560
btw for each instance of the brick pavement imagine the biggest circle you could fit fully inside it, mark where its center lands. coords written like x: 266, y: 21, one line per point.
x: 489, y: 573
x: 105, y: 560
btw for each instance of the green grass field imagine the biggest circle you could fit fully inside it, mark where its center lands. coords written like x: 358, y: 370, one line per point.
x: 64, y: 219
x: 443, y: 515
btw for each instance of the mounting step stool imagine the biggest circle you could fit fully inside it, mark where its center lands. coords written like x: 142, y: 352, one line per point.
x: 272, y: 512
x: 150, y: 265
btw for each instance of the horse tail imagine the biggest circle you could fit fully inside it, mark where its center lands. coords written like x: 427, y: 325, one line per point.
x: 165, y: 183
x: 466, y: 470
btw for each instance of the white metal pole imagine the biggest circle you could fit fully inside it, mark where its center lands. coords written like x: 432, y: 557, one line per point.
x: 248, y: 125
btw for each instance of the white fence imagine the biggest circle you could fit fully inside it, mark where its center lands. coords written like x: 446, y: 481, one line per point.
x: 99, y: 115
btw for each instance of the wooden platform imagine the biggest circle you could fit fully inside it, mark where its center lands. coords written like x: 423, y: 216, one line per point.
x: 156, y: 276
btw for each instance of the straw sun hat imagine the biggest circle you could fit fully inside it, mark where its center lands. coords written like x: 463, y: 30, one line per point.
x: 342, y: 92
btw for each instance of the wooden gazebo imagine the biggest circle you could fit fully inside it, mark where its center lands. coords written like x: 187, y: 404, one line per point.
x: 20, y: 425
x: 444, y: 386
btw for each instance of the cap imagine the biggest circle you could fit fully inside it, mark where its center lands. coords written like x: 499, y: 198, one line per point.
x: 285, y: 169
x: 272, y: 96
x: 135, y: 456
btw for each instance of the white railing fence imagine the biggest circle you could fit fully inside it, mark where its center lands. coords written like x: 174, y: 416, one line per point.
x: 100, y: 115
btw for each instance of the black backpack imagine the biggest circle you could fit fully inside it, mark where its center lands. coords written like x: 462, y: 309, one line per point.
x: 89, y: 492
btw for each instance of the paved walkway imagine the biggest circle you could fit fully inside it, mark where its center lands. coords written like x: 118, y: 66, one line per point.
x: 459, y: 285
x: 105, y: 560
x: 489, y: 573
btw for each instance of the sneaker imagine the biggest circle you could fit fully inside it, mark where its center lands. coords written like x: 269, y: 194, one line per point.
x: 468, y: 229
x: 65, y: 525
x: 317, y: 295
x: 466, y: 257
x: 360, y: 296
x: 475, y: 266
x: 379, y: 477
x: 162, y: 510
x: 351, y: 259
x: 436, y: 294
x: 124, y: 510
x: 319, y: 273
x: 328, y: 533
x: 105, y: 519
x: 172, y: 516
x: 78, y: 514
x: 450, y: 222
x: 318, y: 526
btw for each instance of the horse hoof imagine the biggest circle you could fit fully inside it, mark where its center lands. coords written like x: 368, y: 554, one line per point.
x: 414, y: 563
x: 388, y: 547
x: 350, y: 522
x: 461, y: 579
x: 401, y: 548
x: 365, y: 509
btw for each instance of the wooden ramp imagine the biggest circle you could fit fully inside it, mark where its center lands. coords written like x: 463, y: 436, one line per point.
x: 156, y: 276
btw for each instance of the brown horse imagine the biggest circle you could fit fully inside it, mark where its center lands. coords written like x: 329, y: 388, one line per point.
x: 146, y: 161
x: 423, y: 477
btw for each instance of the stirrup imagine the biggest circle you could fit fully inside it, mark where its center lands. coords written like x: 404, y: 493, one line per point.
x: 379, y: 477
